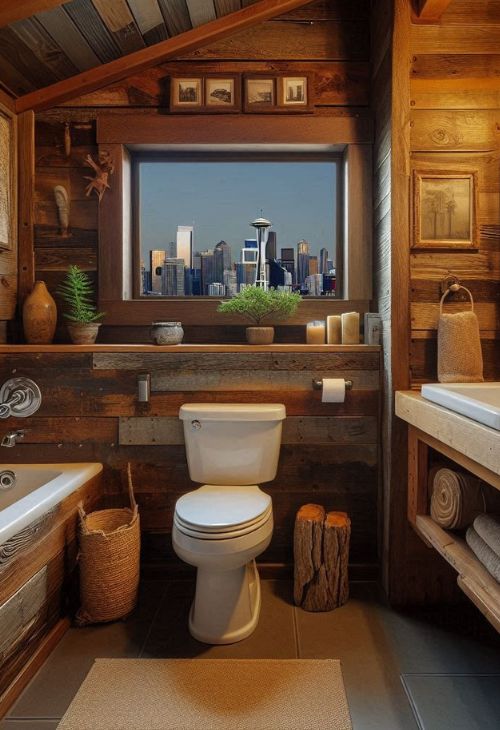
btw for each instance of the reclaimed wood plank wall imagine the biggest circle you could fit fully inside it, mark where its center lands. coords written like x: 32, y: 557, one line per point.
x: 329, y: 38
x: 330, y: 452
x: 455, y: 122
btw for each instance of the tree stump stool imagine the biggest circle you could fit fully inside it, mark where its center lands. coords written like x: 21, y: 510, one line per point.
x: 321, y: 552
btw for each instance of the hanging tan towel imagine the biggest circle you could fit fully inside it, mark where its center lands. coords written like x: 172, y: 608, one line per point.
x: 460, y: 359
x: 457, y: 499
x: 485, y: 554
x: 488, y: 529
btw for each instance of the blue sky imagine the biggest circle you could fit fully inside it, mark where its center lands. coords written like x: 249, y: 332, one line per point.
x: 221, y: 198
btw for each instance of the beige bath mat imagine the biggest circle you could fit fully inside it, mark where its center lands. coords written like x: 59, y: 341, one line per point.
x: 210, y: 694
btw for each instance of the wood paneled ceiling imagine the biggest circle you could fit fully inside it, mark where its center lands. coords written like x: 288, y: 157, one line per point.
x: 43, y: 42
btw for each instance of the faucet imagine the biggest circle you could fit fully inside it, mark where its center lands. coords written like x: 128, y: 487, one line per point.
x: 11, y: 438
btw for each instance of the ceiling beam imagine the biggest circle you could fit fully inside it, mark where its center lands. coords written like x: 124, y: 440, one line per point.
x: 429, y: 11
x: 138, y: 61
x: 12, y: 10
x: 7, y: 100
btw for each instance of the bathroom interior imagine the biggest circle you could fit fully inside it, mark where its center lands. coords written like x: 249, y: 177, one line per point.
x: 249, y: 364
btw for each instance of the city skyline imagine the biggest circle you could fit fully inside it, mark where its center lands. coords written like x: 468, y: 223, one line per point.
x: 180, y: 271
x: 219, y: 199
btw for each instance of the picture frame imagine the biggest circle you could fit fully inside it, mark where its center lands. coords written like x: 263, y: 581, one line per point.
x: 222, y: 93
x: 445, y: 209
x: 8, y: 180
x: 260, y: 93
x: 295, y: 93
x: 186, y: 94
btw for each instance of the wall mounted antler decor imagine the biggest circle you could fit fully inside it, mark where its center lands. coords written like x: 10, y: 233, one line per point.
x: 103, y: 168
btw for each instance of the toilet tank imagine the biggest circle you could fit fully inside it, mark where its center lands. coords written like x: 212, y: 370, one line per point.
x: 232, y: 444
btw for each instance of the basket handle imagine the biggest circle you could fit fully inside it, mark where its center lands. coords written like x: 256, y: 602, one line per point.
x: 454, y: 288
x: 82, y: 515
x: 133, y: 503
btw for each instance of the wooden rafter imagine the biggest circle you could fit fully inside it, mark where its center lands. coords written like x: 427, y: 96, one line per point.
x: 12, y: 10
x: 7, y: 100
x: 429, y: 11
x: 179, y: 45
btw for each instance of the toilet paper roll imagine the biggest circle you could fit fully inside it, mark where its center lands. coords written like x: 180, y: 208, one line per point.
x: 333, y: 390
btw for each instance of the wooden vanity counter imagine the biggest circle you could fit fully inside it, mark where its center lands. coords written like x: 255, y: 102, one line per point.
x: 473, y: 447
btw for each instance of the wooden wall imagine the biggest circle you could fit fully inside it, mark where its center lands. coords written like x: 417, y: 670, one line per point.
x: 455, y: 112
x: 330, y: 452
x: 329, y: 38
x: 8, y: 258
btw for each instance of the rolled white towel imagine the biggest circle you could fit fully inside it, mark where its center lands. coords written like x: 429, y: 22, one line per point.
x: 484, y: 553
x: 488, y: 528
x: 456, y: 499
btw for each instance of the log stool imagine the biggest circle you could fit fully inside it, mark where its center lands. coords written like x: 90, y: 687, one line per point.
x: 321, y: 552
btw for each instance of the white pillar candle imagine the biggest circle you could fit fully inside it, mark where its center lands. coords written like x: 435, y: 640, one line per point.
x: 334, y: 329
x: 350, y: 328
x: 315, y: 333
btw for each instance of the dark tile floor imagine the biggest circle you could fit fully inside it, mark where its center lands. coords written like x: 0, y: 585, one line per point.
x: 395, y: 666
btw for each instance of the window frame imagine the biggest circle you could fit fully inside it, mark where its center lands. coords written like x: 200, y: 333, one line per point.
x: 122, y: 136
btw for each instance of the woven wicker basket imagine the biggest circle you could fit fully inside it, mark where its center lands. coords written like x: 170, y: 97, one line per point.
x: 110, y: 542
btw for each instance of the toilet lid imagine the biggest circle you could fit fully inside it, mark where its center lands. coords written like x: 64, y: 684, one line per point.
x: 218, y: 509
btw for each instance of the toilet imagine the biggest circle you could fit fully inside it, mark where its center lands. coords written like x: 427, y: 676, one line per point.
x: 222, y: 526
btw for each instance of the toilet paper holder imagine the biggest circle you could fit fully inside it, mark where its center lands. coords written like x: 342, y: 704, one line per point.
x: 318, y: 384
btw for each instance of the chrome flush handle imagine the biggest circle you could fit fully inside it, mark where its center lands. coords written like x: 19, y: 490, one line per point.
x: 195, y: 425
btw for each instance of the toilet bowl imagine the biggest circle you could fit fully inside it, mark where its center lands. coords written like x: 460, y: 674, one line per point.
x: 222, y: 526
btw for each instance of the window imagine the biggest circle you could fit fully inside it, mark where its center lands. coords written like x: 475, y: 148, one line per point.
x: 345, y: 143
x: 192, y: 232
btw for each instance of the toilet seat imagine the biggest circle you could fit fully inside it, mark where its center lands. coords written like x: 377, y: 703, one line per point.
x: 222, y: 512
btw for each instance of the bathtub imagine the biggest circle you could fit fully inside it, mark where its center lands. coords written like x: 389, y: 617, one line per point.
x: 39, y: 488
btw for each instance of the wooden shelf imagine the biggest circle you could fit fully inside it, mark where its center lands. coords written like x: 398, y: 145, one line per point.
x: 473, y: 578
x: 12, y: 349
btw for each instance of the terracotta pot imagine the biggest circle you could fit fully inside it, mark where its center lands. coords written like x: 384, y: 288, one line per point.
x: 260, y: 335
x: 39, y: 316
x: 84, y: 334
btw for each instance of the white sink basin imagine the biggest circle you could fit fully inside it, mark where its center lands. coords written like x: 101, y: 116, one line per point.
x: 479, y: 401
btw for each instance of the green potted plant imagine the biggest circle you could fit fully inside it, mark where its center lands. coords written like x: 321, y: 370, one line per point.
x: 259, y: 305
x: 77, y: 291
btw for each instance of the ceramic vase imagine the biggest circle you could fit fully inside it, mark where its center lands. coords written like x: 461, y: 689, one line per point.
x: 260, y: 335
x: 83, y: 334
x: 39, y: 316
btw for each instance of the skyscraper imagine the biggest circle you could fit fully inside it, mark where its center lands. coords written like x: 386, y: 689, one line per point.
x: 245, y: 275
x: 171, y: 251
x: 271, y: 245
x: 288, y: 261
x: 173, y: 277
x: 313, y: 265
x: 207, y: 271
x: 156, y: 259
x: 323, y: 261
x: 302, y: 261
x: 185, y: 245
x: 222, y: 253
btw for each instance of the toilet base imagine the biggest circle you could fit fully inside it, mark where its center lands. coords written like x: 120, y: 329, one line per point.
x: 226, y: 606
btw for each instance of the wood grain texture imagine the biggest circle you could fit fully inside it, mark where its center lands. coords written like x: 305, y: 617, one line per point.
x: 335, y: 82
x: 65, y: 33
x: 89, y: 24
x: 147, y: 57
x: 330, y: 449
x: 10, y: 12
x: 320, y: 430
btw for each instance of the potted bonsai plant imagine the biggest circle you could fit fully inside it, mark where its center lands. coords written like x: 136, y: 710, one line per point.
x: 77, y: 291
x: 259, y: 305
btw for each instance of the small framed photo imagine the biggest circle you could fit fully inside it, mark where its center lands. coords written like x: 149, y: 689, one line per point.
x: 186, y: 94
x: 445, y: 209
x: 223, y: 93
x: 294, y: 93
x: 260, y: 93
